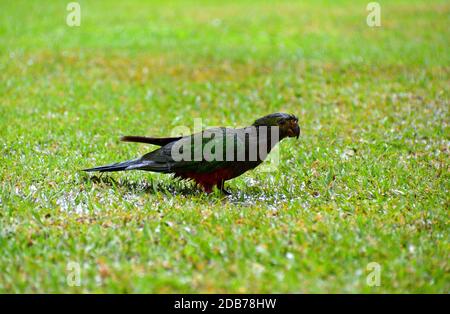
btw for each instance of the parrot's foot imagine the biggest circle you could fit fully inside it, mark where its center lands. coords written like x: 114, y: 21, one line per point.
x: 225, y: 192
x: 221, y: 187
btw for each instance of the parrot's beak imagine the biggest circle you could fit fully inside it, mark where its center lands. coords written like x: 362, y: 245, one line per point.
x: 293, y: 130
x: 297, y: 131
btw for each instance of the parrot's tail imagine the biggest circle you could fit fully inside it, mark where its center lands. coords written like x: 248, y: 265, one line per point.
x: 135, y: 164
x: 120, y: 166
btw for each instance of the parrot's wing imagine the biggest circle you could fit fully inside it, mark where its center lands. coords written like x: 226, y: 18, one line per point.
x: 202, y: 152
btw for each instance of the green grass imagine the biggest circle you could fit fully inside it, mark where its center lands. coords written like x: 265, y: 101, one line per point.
x: 368, y: 181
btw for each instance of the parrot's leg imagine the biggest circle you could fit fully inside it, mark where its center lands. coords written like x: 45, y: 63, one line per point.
x: 207, y: 188
x: 221, y: 187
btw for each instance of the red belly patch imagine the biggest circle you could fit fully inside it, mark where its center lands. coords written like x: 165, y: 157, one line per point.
x: 208, y: 180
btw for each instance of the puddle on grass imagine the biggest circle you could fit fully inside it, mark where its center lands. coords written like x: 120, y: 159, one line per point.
x: 109, y: 193
x: 68, y: 203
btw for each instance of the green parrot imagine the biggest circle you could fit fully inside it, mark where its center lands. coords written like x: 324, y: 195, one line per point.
x: 212, y: 156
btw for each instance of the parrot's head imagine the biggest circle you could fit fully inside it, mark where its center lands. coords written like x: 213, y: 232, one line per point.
x: 288, y: 123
